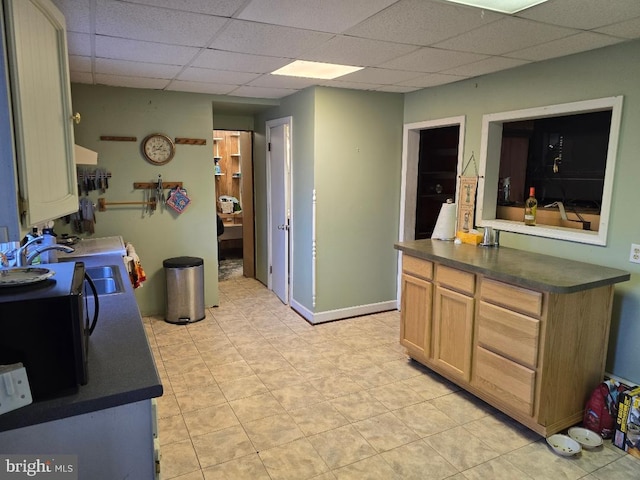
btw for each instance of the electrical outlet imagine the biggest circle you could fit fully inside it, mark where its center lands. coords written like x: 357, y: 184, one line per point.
x: 634, y: 256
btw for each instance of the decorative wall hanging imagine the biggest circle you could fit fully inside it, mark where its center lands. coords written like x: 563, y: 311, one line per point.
x: 467, y: 198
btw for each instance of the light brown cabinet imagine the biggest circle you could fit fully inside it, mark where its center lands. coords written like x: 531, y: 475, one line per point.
x: 535, y: 355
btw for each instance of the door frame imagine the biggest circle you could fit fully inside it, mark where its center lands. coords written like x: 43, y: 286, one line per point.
x: 409, y: 179
x: 288, y: 203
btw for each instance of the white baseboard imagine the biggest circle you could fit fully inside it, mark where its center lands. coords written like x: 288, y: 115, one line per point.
x: 342, y: 313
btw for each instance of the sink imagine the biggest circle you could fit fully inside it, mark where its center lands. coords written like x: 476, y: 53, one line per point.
x: 106, y: 279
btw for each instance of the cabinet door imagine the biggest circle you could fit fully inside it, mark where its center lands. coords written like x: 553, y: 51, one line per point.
x: 41, y: 101
x: 415, y: 314
x: 452, y: 332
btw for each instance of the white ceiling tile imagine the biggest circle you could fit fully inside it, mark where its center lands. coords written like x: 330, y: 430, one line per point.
x: 429, y: 59
x: 239, y: 62
x: 489, y: 65
x: 324, y: 16
x: 79, y: 44
x: 351, y: 85
x: 131, y: 82
x: 126, y: 68
x: 153, y: 24
x: 79, y: 64
x: 77, y: 14
x: 262, y: 39
x: 222, y: 8
x: 380, y: 76
x: 201, y: 87
x: 505, y: 35
x: 431, y: 80
x: 422, y: 22
x: 81, y: 77
x: 261, y: 92
x: 283, y: 81
x: 566, y: 46
x: 140, y: 51
x: 396, y: 89
x: 583, y: 14
x: 208, y: 75
x: 357, y: 51
x: 629, y: 29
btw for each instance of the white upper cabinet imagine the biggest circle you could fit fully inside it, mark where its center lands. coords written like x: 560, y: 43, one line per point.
x: 42, y: 116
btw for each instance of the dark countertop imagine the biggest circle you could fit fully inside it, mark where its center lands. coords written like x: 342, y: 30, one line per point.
x: 518, y: 267
x: 121, y: 366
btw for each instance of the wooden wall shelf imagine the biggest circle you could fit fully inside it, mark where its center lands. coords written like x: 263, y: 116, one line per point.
x: 153, y: 185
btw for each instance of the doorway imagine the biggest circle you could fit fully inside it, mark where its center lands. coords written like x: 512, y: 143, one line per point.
x: 233, y: 170
x: 279, y: 206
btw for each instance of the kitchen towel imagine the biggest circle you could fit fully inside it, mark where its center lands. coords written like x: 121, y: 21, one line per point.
x: 136, y: 272
x: 445, y: 228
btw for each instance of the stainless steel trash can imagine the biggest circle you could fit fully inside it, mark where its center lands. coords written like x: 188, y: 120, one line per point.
x: 185, y: 289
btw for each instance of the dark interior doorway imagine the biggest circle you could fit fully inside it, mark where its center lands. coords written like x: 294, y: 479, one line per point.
x: 437, y: 167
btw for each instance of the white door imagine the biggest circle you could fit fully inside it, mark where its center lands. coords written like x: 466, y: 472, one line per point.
x: 278, y: 174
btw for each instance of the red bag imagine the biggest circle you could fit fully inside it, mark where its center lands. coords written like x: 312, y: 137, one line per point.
x: 602, y: 408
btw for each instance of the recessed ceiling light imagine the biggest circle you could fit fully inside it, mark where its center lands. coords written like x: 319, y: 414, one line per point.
x: 502, y: 6
x: 326, y: 71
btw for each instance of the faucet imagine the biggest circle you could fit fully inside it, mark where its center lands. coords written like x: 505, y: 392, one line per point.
x: 22, y: 259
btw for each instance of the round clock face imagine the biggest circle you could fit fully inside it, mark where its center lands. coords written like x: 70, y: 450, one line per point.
x: 158, y: 149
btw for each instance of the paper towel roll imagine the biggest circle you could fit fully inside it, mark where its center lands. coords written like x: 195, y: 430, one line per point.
x: 445, y: 228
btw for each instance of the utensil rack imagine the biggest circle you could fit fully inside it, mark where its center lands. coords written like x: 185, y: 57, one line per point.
x: 152, y: 203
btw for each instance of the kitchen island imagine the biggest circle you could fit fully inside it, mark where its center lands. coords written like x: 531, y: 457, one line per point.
x: 525, y: 332
x: 109, y: 423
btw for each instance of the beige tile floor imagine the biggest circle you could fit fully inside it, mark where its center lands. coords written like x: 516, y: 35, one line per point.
x: 255, y: 392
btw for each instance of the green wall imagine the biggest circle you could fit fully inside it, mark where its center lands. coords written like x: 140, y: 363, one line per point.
x: 347, y: 146
x: 358, y: 151
x: 601, y: 73
x: 163, y: 234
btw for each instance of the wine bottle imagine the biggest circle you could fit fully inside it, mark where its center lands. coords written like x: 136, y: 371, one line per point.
x: 530, y: 207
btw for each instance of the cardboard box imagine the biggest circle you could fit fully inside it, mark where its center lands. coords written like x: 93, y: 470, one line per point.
x: 627, y: 434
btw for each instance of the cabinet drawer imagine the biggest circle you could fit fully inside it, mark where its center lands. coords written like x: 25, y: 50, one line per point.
x: 456, y: 279
x: 417, y: 267
x: 509, y: 333
x: 512, y: 297
x: 507, y: 381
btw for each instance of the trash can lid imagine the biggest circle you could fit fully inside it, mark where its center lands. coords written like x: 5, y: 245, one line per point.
x: 182, y: 262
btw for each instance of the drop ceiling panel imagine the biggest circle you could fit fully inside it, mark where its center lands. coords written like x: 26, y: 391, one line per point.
x: 208, y: 75
x: 201, y: 87
x: 261, y: 92
x: 79, y: 64
x: 262, y: 39
x: 131, y: 82
x: 81, y: 77
x: 422, y: 22
x: 282, y: 81
x: 119, y: 19
x: 489, y: 65
x: 222, y: 8
x: 506, y: 35
x: 566, y: 46
x: 357, y: 51
x: 431, y: 80
x: 140, y: 51
x: 628, y: 29
x: 583, y: 14
x: 124, y: 68
x: 77, y: 14
x: 380, y: 76
x: 432, y: 60
x: 79, y: 44
x: 321, y: 15
x: 239, y: 62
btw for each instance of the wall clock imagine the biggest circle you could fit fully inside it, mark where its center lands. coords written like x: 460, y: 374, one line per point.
x: 158, y: 148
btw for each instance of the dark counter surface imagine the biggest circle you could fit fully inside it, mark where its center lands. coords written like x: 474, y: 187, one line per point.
x: 121, y: 366
x: 518, y: 267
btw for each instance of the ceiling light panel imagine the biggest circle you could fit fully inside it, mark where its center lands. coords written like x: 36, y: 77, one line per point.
x: 502, y: 6
x: 327, y: 71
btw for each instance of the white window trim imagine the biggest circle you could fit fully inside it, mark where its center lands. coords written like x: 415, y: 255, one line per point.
x: 490, y: 163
